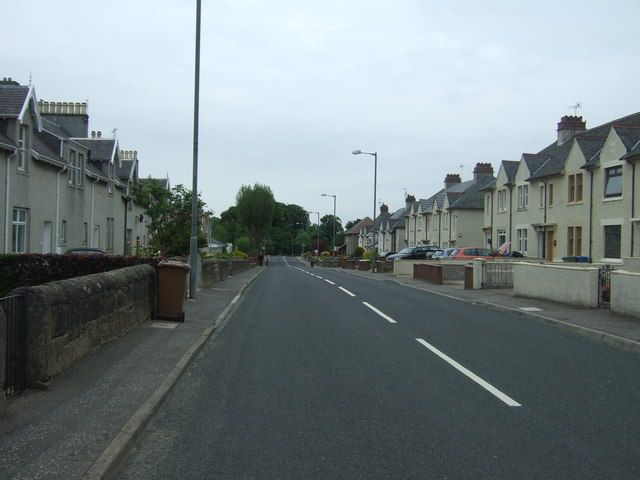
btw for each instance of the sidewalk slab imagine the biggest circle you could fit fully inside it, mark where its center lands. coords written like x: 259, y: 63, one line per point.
x: 61, y: 432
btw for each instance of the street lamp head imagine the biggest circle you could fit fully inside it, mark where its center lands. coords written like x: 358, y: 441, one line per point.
x: 357, y: 152
x: 325, y: 195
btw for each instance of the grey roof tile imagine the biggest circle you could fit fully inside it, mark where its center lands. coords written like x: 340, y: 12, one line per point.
x: 12, y: 98
x: 4, y: 140
x: 101, y: 148
x: 125, y: 171
x: 473, y: 198
x: 510, y: 169
x: 44, y: 144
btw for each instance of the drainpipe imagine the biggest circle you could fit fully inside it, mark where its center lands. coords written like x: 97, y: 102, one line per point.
x: 633, y: 200
x: 439, y: 230
x: 92, y: 201
x: 544, y: 228
x: 6, y: 201
x: 491, y: 222
x: 590, y: 213
x: 58, y: 209
x: 126, y: 204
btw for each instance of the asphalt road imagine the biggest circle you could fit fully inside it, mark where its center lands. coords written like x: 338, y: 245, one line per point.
x: 306, y: 381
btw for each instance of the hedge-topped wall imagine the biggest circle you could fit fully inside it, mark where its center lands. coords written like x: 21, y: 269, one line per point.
x: 25, y: 270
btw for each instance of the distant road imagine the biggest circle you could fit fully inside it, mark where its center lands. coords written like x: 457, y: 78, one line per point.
x: 320, y: 374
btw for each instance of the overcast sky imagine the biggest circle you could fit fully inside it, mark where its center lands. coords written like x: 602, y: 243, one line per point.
x: 290, y: 87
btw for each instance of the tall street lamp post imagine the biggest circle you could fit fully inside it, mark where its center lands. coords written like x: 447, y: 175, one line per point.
x: 333, y: 252
x: 375, y: 181
x: 193, y: 241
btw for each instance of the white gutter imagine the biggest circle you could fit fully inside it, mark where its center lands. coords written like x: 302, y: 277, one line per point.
x: 58, y: 246
x: 6, y: 201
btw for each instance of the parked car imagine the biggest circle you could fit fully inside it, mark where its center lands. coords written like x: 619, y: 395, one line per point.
x: 442, y: 253
x: 85, y: 251
x: 413, y: 253
x: 386, y: 254
x: 467, y: 253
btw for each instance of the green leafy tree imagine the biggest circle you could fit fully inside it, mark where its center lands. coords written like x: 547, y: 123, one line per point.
x: 351, y: 223
x: 326, y: 230
x: 256, y: 206
x: 169, y: 212
x: 230, y: 228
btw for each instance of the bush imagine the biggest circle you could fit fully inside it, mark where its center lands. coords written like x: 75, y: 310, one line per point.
x: 239, y: 254
x: 25, y: 270
x: 358, y: 252
x: 367, y: 255
x: 325, y: 254
x: 243, y: 244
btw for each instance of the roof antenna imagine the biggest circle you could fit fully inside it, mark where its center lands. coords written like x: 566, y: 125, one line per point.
x: 461, y: 167
x: 30, y: 79
x: 114, y: 133
x: 575, y: 108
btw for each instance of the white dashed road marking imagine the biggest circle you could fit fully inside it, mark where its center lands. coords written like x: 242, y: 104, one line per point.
x: 346, y: 291
x: 386, y: 317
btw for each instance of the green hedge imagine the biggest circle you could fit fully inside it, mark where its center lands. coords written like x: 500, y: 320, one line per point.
x: 33, y: 269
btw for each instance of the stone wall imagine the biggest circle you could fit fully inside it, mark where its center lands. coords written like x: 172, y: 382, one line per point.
x: 571, y: 285
x: 625, y: 289
x: 215, y: 271
x: 70, y: 318
x: 3, y: 359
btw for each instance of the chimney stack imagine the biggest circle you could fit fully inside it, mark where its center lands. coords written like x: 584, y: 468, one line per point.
x: 570, y: 126
x: 98, y: 134
x: 451, y: 179
x: 482, y: 170
x: 384, y: 208
x: 93, y: 134
x: 409, y: 200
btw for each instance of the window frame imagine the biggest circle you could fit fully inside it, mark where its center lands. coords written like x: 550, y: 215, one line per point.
x: 608, y: 177
x: 19, y: 225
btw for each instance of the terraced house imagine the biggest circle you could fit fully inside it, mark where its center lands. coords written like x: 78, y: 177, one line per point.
x: 575, y: 198
x: 61, y: 187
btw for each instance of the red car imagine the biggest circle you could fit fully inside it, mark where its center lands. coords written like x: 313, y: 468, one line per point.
x: 468, y: 253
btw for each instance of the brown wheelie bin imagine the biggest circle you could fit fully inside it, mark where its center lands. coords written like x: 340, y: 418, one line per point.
x: 172, y: 288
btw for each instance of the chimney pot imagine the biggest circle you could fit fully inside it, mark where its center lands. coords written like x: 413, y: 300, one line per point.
x: 570, y: 126
x: 98, y: 134
x: 451, y: 179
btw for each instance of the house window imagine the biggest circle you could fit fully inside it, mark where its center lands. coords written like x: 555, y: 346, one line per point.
x: 502, y: 200
x: 575, y: 187
x: 542, y: 195
x: 446, y: 221
x: 22, y: 148
x: 76, y: 161
x: 574, y: 241
x: 612, y: 236
x: 454, y: 221
x: 502, y: 237
x: 550, y: 193
x: 435, y: 222
x: 523, y: 197
x: 63, y: 233
x: 110, y: 178
x: 613, y: 183
x: 85, y: 242
x: 522, y: 239
x: 19, y: 231
x: 96, y: 236
x: 419, y: 224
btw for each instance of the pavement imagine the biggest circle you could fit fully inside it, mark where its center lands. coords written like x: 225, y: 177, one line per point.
x: 92, y: 414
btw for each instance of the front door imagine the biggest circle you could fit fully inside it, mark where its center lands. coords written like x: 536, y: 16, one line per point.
x: 550, y: 243
x: 46, y: 238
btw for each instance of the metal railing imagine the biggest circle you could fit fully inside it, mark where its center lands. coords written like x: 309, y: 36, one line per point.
x: 498, y: 274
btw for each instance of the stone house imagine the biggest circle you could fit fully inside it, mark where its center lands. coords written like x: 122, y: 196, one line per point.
x: 352, y: 236
x: 63, y: 188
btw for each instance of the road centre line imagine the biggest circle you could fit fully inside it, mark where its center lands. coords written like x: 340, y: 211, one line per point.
x: 329, y: 281
x: 487, y: 386
x: 386, y: 317
x: 346, y: 291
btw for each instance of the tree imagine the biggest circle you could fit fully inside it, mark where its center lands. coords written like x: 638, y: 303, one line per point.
x: 169, y: 212
x: 326, y: 230
x: 351, y: 223
x: 256, y: 206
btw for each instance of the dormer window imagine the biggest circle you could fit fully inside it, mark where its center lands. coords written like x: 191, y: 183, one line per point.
x: 613, y: 182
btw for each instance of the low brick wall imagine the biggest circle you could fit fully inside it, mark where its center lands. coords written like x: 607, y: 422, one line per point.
x: 571, y: 285
x: 216, y: 271
x: 70, y: 318
x: 348, y: 264
x: 363, y: 266
x: 625, y: 290
x: 405, y: 267
x: 384, y: 266
x: 430, y: 273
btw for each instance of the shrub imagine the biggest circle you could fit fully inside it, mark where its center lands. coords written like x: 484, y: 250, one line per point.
x: 358, y: 252
x: 367, y: 255
x: 243, y: 244
x: 25, y: 270
x: 239, y: 254
x: 325, y: 254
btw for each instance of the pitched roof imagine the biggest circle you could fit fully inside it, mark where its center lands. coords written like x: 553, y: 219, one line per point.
x: 397, y: 218
x: 591, y: 148
x: 558, y: 154
x: 6, y: 142
x: 54, y: 128
x: 355, y: 230
x: 125, y: 171
x: 163, y: 183
x: 473, y: 197
x: 102, y: 149
x: 628, y: 135
x: 44, y: 145
x: 12, y: 98
x: 510, y: 169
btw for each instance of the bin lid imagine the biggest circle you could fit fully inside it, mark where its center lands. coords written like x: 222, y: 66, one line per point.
x: 173, y: 264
